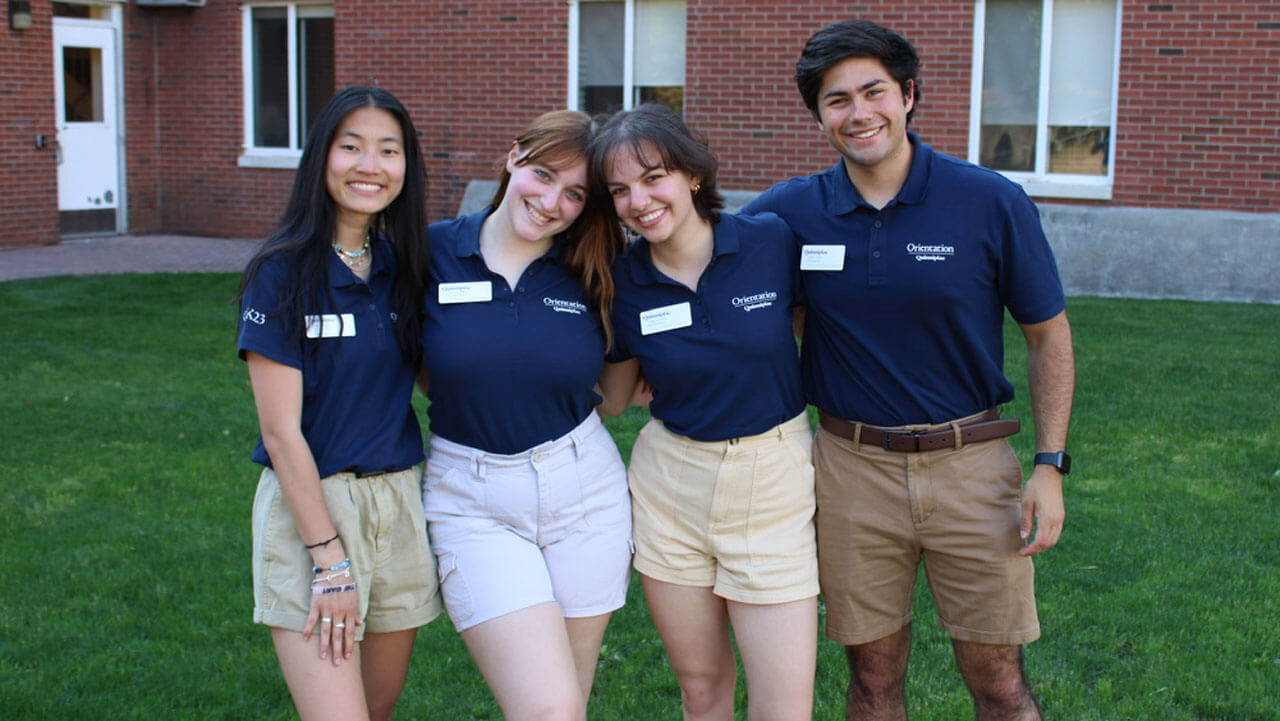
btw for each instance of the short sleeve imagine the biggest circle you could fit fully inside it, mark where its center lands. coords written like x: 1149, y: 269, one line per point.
x: 264, y: 327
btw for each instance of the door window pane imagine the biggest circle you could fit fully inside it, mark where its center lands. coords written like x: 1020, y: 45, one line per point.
x: 82, y: 84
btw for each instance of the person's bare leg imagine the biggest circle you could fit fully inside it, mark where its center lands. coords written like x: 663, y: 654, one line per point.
x: 528, y: 663
x: 321, y: 690
x: 877, y: 678
x: 996, y: 680
x: 384, y: 663
x: 694, y: 626
x: 779, y: 647
x: 585, y: 637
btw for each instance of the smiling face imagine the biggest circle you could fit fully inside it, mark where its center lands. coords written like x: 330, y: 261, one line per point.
x: 651, y: 200
x: 366, y: 164
x: 544, y: 198
x: 863, y: 113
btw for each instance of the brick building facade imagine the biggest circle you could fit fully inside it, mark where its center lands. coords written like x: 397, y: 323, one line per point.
x: 1196, y: 109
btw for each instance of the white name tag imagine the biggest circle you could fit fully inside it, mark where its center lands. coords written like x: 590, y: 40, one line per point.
x: 668, y: 317
x: 330, y: 325
x: 479, y: 291
x: 822, y: 257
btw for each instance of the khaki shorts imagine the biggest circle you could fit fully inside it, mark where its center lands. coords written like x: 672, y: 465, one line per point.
x: 512, y: 531
x: 880, y: 512
x: 735, y: 516
x: 379, y: 519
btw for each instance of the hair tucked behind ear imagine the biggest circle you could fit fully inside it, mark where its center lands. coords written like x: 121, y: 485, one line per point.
x: 679, y: 148
x: 306, y: 229
x: 557, y: 139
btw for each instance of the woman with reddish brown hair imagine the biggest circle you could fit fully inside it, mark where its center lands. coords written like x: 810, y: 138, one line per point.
x: 525, y: 493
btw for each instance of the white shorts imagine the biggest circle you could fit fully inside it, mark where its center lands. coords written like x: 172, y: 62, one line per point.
x: 512, y: 531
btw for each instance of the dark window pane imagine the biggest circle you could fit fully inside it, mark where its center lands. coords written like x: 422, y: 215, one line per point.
x: 1010, y: 84
x: 315, y: 69
x: 1079, y: 150
x: 82, y: 84
x: 600, y: 56
x: 270, y: 78
x: 672, y: 97
x: 1007, y: 147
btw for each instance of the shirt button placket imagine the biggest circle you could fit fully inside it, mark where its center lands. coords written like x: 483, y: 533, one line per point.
x: 877, y: 273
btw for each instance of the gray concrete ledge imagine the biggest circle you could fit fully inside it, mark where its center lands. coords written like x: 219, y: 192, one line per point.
x: 1129, y: 252
x: 1166, y: 253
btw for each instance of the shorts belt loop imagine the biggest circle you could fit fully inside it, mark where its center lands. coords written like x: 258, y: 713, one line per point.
x: 577, y: 446
x: 857, y: 436
x: 478, y: 460
x: 955, y: 428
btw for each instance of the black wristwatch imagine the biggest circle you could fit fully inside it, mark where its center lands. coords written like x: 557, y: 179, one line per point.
x: 1059, y: 460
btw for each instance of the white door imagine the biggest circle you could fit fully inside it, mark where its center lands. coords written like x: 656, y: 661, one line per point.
x: 84, y: 57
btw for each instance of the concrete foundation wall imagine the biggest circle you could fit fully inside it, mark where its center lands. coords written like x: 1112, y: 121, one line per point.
x: 1130, y: 252
x: 1153, y: 253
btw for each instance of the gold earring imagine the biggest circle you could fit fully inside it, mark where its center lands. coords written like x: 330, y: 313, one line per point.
x: 696, y: 188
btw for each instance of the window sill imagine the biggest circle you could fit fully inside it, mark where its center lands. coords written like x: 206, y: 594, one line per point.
x: 1064, y: 187
x: 269, y: 158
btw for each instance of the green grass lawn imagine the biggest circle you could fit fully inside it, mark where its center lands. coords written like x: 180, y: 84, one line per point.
x: 126, y: 487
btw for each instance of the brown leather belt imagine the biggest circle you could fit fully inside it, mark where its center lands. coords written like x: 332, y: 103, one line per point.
x: 985, y: 427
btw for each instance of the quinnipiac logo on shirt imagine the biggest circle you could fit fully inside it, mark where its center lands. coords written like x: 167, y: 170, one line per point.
x: 925, y: 252
x: 755, y: 301
x: 565, y: 306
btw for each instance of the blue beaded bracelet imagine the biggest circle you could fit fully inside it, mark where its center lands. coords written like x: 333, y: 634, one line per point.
x: 346, y: 563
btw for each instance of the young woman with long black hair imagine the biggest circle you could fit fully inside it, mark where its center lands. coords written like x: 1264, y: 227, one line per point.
x: 330, y: 329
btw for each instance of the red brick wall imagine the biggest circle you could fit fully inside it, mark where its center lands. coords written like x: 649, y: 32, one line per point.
x: 28, y: 176
x: 186, y: 129
x: 473, y: 73
x: 740, y: 90
x: 1199, y: 94
x: 1199, y: 112
x: 1199, y: 107
x: 1194, y: 131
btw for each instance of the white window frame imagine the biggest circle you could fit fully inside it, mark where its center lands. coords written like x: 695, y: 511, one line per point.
x: 252, y: 156
x: 1040, y: 182
x: 628, y: 53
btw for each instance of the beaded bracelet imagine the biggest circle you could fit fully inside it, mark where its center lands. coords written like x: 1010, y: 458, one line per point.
x: 346, y: 563
x: 323, y: 590
x: 346, y: 572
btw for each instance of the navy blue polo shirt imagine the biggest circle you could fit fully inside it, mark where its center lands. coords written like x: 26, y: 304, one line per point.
x: 910, y: 330
x: 734, y: 370
x: 356, y: 386
x: 515, y: 371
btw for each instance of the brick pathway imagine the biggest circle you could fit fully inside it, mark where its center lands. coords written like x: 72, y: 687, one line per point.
x: 128, y: 254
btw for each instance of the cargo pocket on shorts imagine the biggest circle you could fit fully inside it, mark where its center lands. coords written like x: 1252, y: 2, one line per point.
x: 453, y: 587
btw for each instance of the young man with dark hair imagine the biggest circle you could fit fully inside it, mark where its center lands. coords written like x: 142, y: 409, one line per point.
x: 910, y: 259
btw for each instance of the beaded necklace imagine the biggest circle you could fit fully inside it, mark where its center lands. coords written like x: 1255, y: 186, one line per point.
x: 356, y: 260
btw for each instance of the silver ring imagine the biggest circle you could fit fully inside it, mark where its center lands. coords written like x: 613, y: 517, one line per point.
x: 339, y: 625
x: 326, y: 619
